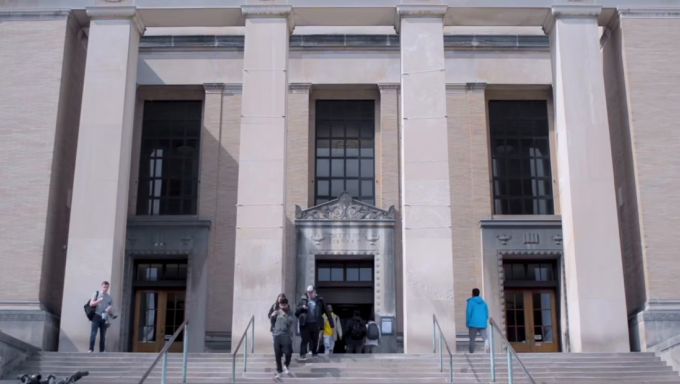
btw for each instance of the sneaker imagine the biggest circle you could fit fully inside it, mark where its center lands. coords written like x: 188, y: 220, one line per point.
x: 90, y: 351
x: 286, y: 371
x: 277, y: 375
x: 302, y: 358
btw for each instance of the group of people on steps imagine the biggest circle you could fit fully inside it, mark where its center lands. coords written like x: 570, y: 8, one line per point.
x: 317, y: 323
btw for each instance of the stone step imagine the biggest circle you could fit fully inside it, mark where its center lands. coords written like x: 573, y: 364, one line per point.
x: 105, y: 368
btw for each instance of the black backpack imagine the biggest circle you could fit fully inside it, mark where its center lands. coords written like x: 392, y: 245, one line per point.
x: 372, y: 333
x: 357, y: 330
x: 90, y: 310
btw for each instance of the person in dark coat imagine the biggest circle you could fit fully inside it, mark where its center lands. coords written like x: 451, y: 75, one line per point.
x: 309, y: 313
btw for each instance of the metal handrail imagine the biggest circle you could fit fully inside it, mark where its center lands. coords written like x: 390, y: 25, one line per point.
x: 435, y: 327
x: 251, y: 326
x: 164, y: 354
x: 510, y: 351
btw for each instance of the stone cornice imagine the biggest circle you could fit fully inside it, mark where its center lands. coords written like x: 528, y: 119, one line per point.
x: 116, y: 13
x: 277, y: 11
x: 570, y: 12
x: 649, y: 13
x: 460, y: 87
x: 213, y: 87
x: 45, y: 14
x: 389, y: 86
x: 421, y: 10
x: 299, y: 87
x: 232, y: 89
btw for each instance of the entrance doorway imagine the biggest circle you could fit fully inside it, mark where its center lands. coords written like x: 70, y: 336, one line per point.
x: 530, y: 306
x: 159, y: 304
x: 348, y: 286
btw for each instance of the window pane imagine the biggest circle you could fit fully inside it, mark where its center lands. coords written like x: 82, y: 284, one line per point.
x: 337, y: 187
x: 324, y: 274
x: 323, y: 148
x: 352, y: 187
x: 337, y: 274
x: 337, y: 168
x: 323, y: 168
x: 352, y: 148
x: 352, y: 168
x: 338, y: 148
x: 323, y: 187
x: 352, y: 274
x: 366, y: 168
x: 367, y: 188
x: 366, y: 274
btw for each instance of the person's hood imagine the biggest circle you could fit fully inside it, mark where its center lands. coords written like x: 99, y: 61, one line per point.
x: 476, y: 300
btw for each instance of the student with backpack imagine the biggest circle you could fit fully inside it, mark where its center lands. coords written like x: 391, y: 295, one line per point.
x: 372, y: 336
x: 356, y: 332
x: 283, y: 337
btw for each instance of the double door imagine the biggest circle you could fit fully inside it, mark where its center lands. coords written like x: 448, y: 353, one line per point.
x: 158, y: 313
x: 531, y: 320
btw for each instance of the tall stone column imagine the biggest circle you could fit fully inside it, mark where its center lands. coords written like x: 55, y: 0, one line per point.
x: 425, y: 200
x: 96, y: 244
x: 260, y: 216
x: 299, y: 156
x: 596, y: 305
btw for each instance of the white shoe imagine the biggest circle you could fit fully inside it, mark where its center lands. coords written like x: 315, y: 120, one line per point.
x: 285, y: 370
x: 302, y: 358
x: 277, y: 375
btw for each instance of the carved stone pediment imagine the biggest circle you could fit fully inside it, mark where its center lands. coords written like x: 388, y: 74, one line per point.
x: 344, y: 208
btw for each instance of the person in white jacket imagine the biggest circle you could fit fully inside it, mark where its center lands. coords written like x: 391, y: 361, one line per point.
x: 332, y: 329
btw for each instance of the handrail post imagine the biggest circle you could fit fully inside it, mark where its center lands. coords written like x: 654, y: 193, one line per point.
x: 434, y: 335
x: 451, y: 368
x: 509, y: 365
x: 164, y: 374
x: 245, y: 355
x: 441, y: 354
x: 252, y: 334
x: 185, y: 353
x: 233, y: 369
x: 492, y: 357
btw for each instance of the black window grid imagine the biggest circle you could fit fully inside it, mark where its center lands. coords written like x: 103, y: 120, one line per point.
x: 520, y: 154
x: 345, y: 150
x: 168, y: 171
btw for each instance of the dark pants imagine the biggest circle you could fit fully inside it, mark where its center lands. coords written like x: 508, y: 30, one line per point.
x: 283, y: 346
x: 310, y: 335
x: 98, y: 324
x: 354, y: 346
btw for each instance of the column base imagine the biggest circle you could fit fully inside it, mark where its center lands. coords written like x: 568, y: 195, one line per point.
x: 657, y: 329
x: 31, y: 324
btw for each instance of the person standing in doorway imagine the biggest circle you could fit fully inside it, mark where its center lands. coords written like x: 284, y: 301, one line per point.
x: 102, y: 302
x: 332, y: 329
x: 356, y: 332
x: 310, y: 310
x: 372, y: 336
x: 283, y: 336
x: 477, y: 318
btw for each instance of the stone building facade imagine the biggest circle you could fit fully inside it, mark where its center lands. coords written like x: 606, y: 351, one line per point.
x: 395, y: 154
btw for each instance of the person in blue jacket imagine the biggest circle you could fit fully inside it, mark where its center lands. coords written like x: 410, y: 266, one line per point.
x: 477, y: 318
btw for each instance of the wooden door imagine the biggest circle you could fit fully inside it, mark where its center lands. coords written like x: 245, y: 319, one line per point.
x: 158, y: 313
x: 531, y: 320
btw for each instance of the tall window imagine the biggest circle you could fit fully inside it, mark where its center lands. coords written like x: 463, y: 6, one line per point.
x: 520, y: 150
x: 345, y: 154
x: 168, y: 168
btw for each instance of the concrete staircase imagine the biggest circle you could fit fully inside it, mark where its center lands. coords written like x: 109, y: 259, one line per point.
x: 204, y: 368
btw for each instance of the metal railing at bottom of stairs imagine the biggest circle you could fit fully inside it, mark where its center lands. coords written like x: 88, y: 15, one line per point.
x: 244, y: 337
x: 164, y: 354
x: 509, y: 351
x: 437, y: 340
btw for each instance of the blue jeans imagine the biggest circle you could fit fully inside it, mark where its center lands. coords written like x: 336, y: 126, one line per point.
x: 98, y: 324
